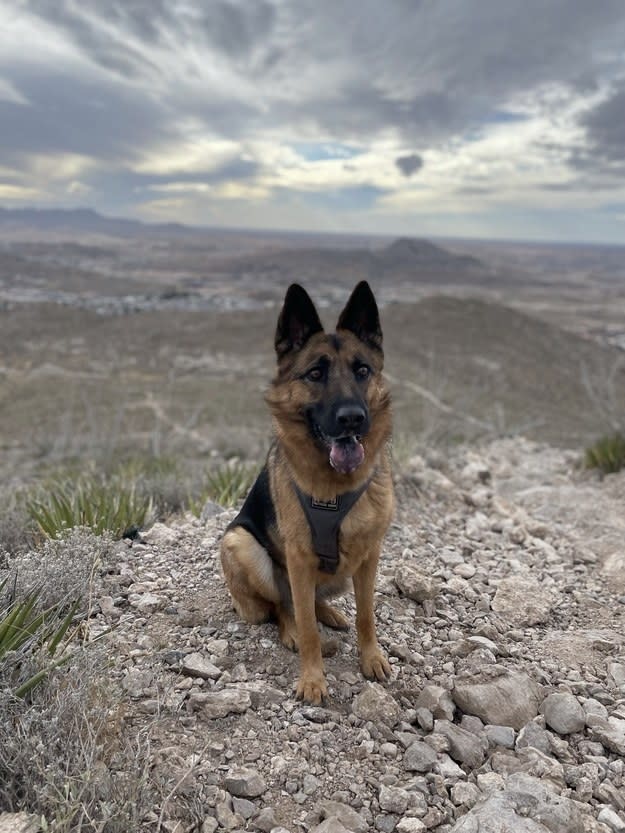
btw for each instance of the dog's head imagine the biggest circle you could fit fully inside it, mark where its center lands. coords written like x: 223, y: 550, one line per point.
x: 330, y: 385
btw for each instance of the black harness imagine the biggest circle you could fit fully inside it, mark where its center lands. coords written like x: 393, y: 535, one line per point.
x: 324, y: 519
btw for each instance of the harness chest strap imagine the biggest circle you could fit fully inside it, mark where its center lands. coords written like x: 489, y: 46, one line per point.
x: 325, y: 519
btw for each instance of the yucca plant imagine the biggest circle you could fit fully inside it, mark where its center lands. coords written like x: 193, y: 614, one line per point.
x: 607, y: 454
x: 93, y: 504
x: 27, y: 633
x: 226, y: 485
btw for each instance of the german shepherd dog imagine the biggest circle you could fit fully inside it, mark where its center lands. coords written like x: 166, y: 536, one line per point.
x: 320, y: 507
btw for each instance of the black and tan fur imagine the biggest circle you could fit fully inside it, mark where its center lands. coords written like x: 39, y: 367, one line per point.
x: 267, y: 557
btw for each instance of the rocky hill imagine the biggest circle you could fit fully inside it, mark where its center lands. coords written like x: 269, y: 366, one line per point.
x: 501, y: 603
x: 413, y: 259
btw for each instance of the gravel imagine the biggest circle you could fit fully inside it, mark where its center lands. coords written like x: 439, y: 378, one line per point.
x: 501, y: 613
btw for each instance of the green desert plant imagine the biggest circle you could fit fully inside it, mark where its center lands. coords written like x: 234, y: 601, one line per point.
x: 607, y: 454
x: 226, y: 485
x: 99, y: 506
x: 32, y: 642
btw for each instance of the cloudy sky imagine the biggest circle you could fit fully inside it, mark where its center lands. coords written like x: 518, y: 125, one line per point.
x: 487, y: 118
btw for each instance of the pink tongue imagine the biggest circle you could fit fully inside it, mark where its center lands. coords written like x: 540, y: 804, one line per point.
x: 346, y: 455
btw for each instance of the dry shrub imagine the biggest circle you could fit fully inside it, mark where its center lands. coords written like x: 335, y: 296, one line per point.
x: 61, y: 569
x: 65, y: 756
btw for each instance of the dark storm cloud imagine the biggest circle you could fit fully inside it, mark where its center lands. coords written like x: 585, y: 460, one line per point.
x: 427, y: 69
x: 68, y: 114
x: 605, y: 125
x: 410, y: 164
x: 432, y: 69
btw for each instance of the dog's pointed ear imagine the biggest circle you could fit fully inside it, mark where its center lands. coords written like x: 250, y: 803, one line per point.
x: 298, y: 321
x: 361, y: 316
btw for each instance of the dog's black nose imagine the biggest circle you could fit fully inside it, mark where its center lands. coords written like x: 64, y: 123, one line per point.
x: 350, y: 417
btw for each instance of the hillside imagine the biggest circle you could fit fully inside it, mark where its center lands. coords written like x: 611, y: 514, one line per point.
x: 501, y: 604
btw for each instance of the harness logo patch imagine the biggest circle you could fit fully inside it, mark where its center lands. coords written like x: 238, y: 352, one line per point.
x: 329, y: 505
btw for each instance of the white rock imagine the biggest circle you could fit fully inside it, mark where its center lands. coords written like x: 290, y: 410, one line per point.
x: 612, y: 819
x: 563, y: 713
x: 522, y: 601
x: 414, y: 584
x: 510, y: 699
x: 374, y: 703
x: 214, y: 704
x: 409, y: 824
x: 393, y: 799
x: 196, y: 665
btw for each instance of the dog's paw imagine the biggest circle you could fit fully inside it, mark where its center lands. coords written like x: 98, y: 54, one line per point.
x: 330, y: 616
x: 375, y: 665
x: 312, y: 688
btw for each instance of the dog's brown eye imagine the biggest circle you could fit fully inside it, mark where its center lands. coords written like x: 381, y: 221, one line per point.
x: 363, y: 372
x: 315, y: 375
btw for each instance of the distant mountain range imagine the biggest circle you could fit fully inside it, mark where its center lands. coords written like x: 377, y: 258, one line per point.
x: 84, y: 221
x: 405, y: 257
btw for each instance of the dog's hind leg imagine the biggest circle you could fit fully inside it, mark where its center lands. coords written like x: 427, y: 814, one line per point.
x: 249, y: 574
x: 326, y: 613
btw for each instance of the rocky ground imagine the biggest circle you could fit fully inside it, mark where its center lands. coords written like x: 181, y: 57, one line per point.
x: 501, y: 603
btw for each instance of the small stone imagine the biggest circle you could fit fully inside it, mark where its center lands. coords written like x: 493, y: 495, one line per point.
x: 448, y: 768
x: 500, y: 736
x: 243, y: 807
x: 414, y: 584
x: 594, y: 707
x: 419, y: 757
x: 465, y: 570
x: 616, y: 674
x: 214, y: 704
x: 146, y: 603
x: 409, y: 824
x: 510, y: 699
x: 160, y: 535
x: 209, y: 825
x: 385, y: 823
x: 348, y: 817
x: 610, y: 732
x: 437, y: 700
x: 374, y: 703
x: 266, y: 820
x: 489, y: 782
x: 393, y: 799
x: 310, y: 784
x: 533, y: 735
x: 464, y: 747
x: 464, y: 794
x: 612, y: 819
x: 425, y: 718
x: 245, y: 783
x: 563, y: 713
x: 196, y: 665
x: 433, y: 818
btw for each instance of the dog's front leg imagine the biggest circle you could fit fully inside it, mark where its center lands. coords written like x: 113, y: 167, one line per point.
x: 311, y: 685
x: 372, y: 660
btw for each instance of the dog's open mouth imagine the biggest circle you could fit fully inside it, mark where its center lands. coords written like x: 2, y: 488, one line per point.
x: 346, y: 454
